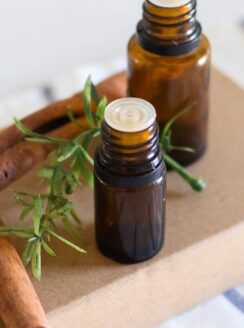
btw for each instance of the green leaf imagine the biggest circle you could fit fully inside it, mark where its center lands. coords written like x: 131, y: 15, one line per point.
x: 100, y: 110
x: 70, y: 244
x: 72, y: 118
x: 169, y: 125
x: 65, y: 209
x: 76, y: 167
x: 37, y: 214
x: 70, y: 115
x: 21, y: 201
x: 69, y: 152
x: 47, y: 249
x: 166, y: 144
x: 96, y: 133
x: 33, y: 136
x: 47, y: 172
x: 48, y: 236
x: 184, y: 149
x: 87, y: 174
x: 76, y: 217
x: 87, y: 103
x: 90, y: 132
x: 16, y: 231
x: 56, y: 183
x: 26, y: 212
x: 27, y: 194
x: 72, y: 229
x: 28, y: 252
x: 22, y: 234
x: 71, y: 183
x: 41, y: 140
x: 87, y: 141
x: 35, y: 238
x: 20, y: 126
x: 36, y: 261
x: 94, y: 93
x: 165, y: 139
x: 87, y: 156
x: 79, y: 166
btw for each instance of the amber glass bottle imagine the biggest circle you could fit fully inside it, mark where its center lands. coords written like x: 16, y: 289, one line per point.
x: 169, y: 66
x: 130, y: 181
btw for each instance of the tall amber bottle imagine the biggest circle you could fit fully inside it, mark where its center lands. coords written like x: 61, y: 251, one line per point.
x: 169, y: 66
x: 130, y: 180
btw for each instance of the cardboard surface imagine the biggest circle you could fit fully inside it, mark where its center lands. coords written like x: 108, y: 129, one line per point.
x: 203, y: 253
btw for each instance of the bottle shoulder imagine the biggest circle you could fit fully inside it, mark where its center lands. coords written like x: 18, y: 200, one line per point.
x: 137, y: 53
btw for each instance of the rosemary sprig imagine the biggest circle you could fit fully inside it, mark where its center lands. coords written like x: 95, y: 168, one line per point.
x: 167, y: 147
x: 46, y: 210
x: 69, y: 161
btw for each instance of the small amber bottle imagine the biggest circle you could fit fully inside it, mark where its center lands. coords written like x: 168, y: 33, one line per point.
x: 130, y: 182
x: 169, y: 66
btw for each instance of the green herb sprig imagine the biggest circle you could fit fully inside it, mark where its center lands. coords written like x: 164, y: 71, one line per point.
x: 68, y: 162
x: 46, y: 210
x: 167, y: 147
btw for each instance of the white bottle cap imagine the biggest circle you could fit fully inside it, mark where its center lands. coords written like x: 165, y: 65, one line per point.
x: 130, y: 115
x: 169, y: 3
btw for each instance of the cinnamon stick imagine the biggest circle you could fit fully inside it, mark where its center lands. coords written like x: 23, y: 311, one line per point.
x: 24, y: 155
x: 113, y: 87
x: 19, y: 303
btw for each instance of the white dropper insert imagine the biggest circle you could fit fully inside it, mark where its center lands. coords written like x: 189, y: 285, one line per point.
x: 169, y: 3
x: 130, y: 115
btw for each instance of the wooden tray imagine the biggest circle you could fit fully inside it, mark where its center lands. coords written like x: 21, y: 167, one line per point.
x: 203, y: 254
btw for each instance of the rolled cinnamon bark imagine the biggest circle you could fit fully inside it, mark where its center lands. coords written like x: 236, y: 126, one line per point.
x: 19, y: 159
x: 19, y: 303
x: 113, y: 87
x: 24, y: 155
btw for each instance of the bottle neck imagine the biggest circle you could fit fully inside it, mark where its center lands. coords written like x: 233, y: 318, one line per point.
x: 134, y: 153
x: 169, y: 31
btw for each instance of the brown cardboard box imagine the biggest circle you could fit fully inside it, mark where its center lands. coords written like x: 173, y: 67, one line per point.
x: 203, y: 254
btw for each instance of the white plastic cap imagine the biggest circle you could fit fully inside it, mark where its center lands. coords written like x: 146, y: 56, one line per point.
x: 130, y: 115
x: 169, y: 3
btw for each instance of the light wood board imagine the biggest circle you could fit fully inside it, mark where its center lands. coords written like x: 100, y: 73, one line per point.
x: 203, y: 253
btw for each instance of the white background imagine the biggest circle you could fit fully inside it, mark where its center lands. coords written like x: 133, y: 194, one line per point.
x: 41, y: 39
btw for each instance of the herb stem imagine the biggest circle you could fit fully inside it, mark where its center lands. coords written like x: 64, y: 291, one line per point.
x: 196, y: 184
